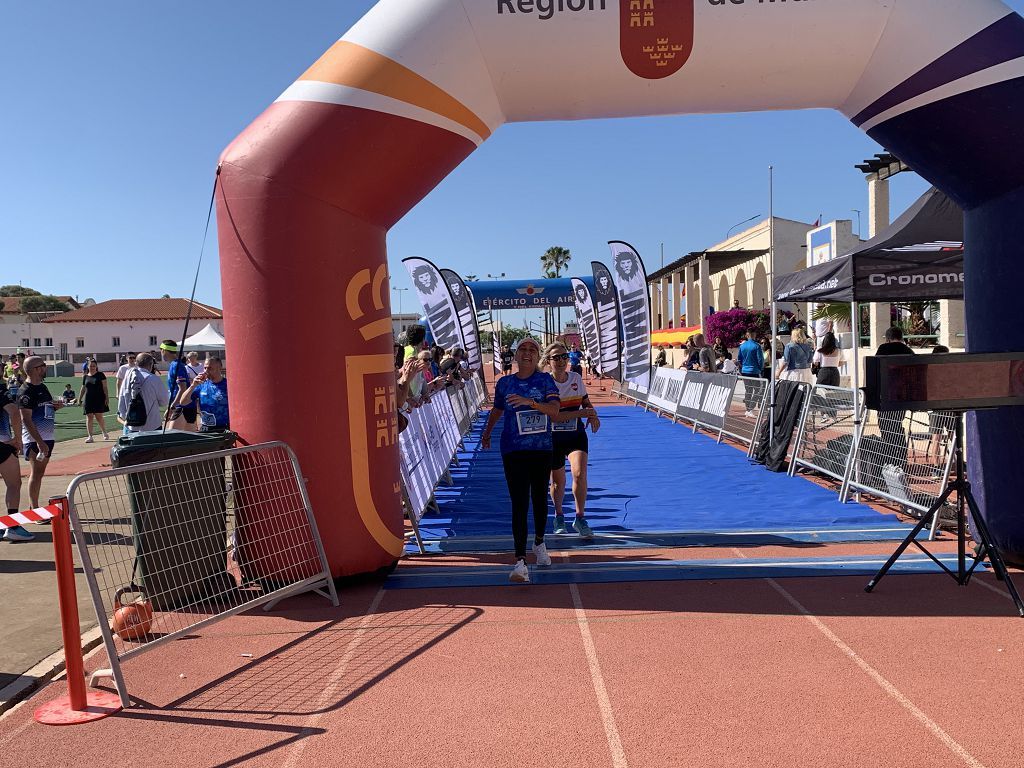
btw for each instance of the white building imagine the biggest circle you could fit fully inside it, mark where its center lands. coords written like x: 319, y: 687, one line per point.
x: 112, y: 328
x: 737, y: 269
x: 401, y: 322
x: 22, y: 331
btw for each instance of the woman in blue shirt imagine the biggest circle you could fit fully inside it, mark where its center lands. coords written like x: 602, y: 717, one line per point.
x: 526, y: 402
x: 210, y: 388
x: 796, y: 358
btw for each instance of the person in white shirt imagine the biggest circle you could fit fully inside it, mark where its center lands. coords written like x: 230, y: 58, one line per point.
x: 155, y: 396
x: 827, y: 360
x: 122, y: 372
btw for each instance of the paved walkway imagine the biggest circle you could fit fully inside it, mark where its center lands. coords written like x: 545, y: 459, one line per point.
x: 756, y: 672
x: 29, y: 617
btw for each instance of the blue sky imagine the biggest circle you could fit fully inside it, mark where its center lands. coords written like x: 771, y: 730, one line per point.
x: 118, y: 111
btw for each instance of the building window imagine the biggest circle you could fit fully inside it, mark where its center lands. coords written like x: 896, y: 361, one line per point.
x: 24, y: 342
x: 115, y: 341
x: 79, y: 343
x: 36, y: 342
x: 152, y: 341
x: 49, y: 342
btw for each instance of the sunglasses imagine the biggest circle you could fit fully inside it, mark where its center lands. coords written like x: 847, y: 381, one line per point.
x: 558, y: 357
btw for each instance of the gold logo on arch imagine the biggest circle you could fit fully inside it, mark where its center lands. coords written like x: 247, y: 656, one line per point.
x: 655, y: 36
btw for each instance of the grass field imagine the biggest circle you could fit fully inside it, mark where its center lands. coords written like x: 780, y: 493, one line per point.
x: 71, y: 419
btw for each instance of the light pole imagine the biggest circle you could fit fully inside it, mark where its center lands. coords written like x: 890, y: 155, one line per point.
x: 497, y: 277
x: 739, y: 224
x: 400, y: 291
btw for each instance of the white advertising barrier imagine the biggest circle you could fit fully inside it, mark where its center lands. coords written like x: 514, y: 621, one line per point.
x: 705, y: 399
x: 428, y: 444
x: 666, y: 389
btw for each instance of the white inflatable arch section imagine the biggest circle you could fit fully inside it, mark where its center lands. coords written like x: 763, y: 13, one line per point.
x: 309, y: 190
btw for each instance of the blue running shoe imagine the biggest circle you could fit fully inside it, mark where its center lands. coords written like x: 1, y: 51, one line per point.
x: 583, y: 528
x: 17, y: 533
x: 560, y: 524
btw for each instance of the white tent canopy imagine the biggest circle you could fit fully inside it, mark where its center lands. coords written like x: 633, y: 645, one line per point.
x: 206, y: 340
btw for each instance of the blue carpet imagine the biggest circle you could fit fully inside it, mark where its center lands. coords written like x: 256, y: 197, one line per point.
x: 665, y: 570
x: 648, y: 475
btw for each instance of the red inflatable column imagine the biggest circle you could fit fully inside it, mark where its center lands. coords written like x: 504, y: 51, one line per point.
x: 307, y: 193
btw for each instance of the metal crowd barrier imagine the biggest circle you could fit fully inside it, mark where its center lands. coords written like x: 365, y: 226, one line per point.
x: 173, y: 546
x: 825, y: 439
x: 890, y: 461
x: 749, y: 397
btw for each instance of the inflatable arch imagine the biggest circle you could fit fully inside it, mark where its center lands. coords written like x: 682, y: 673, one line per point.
x: 309, y: 190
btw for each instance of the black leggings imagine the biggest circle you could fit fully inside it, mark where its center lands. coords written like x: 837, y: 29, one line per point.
x: 528, y: 474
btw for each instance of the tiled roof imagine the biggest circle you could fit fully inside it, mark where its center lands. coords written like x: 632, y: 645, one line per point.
x: 12, y: 304
x: 138, y: 309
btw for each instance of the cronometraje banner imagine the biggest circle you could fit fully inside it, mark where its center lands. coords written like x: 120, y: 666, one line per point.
x: 467, y: 318
x: 634, y: 308
x: 586, y: 316
x: 438, y: 302
x: 607, y: 307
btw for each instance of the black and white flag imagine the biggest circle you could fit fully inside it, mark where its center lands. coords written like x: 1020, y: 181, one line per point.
x: 586, y: 316
x: 467, y: 318
x: 634, y: 307
x: 606, y: 354
x: 438, y: 302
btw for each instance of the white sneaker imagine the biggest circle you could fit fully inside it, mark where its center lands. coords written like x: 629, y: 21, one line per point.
x: 88, y: 439
x: 17, y: 533
x: 749, y: 414
x: 520, y: 574
x: 540, y: 551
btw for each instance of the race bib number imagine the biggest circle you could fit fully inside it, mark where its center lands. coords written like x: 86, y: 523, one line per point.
x: 565, y: 426
x: 207, y: 419
x: 531, y: 422
x: 48, y: 411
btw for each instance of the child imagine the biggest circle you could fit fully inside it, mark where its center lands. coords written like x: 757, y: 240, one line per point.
x: 68, y: 394
x: 728, y: 365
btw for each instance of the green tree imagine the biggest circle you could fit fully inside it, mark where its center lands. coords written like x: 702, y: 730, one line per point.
x: 555, y: 259
x: 41, y: 303
x: 17, y: 290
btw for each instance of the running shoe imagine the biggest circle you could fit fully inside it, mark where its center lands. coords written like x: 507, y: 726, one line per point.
x: 749, y: 414
x: 520, y: 574
x: 88, y: 439
x: 560, y: 524
x: 540, y: 551
x: 583, y: 528
x: 17, y: 533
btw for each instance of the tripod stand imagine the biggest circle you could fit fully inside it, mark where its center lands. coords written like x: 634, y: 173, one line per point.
x: 962, y: 487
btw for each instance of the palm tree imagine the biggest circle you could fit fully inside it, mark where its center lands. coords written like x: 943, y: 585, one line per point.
x: 555, y: 259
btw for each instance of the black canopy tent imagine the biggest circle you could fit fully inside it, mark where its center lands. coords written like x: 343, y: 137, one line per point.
x: 919, y: 257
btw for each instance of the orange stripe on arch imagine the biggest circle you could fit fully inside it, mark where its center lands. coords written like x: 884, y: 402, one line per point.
x: 354, y: 66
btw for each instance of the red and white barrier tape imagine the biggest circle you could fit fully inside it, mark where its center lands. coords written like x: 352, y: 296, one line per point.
x: 36, y: 515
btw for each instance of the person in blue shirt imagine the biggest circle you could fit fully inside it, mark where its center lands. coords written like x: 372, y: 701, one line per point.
x: 751, y: 363
x: 526, y: 402
x: 576, y: 359
x: 210, y: 390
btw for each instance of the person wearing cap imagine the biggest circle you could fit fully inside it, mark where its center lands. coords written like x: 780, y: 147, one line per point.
x: 177, y: 382
x: 127, y: 363
x: 525, y: 402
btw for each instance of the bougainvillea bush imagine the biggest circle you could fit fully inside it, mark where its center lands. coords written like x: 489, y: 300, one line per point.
x: 732, y: 325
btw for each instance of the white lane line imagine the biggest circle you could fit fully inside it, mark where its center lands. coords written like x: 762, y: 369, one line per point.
x: 934, y: 728
x: 604, y: 704
x: 336, y: 679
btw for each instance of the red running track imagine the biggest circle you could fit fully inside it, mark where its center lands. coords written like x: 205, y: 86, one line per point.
x: 809, y: 672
